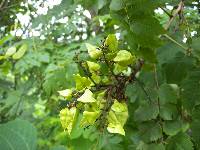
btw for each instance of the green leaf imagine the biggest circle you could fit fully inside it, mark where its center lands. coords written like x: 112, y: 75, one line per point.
x: 93, y: 66
x: 167, y: 52
x: 124, y: 58
x: 178, y: 68
x: 18, y: 135
x: 156, y: 147
x: 87, y: 97
x: 112, y: 43
x: 96, y: 78
x: 114, y: 126
x: 195, y: 125
x: 89, y: 118
x: 143, y: 146
x: 67, y: 118
x: 67, y: 93
x: 146, y: 112
x: 93, y: 51
x: 119, y: 107
x: 60, y: 147
x: 168, y: 111
x: 20, y: 52
x: 180, y: 141
x: 168, y: 93
x: 81, y: 82
x: 172, y: 127
x: 116, y: 5
x: 195, y: 46
x: 121, y: 111
x: 150, y: 131
x: 190, y: 88
x: 117, y: 117
x: 10, y: 51
x: 134, y: 92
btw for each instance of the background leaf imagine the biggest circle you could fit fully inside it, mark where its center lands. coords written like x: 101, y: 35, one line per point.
x: 18, y: 135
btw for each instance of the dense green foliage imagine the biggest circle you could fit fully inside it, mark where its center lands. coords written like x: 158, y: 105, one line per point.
x: 123, y: 77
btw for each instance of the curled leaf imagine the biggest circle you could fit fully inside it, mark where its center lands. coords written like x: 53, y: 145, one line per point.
x: 93, y: 51
x: 87, y: 97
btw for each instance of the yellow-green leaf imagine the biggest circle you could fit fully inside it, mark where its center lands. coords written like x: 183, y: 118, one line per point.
x: 89, y: 118
x: 93, y: 66
x: 124, y: 58
x: 81, y: 82
x: 66, y: 93
x: 87, y: 97
x: 119, y: 107
x: 117, y: 117
x: 118, y: 69
x: 114, y: 126
x: 20, y: 52
x: 111, y: 42
x: 93, y: 51
x: 10, y: 51
x: 121, y: 111
x: 96, y: 78
x: 67, y: 117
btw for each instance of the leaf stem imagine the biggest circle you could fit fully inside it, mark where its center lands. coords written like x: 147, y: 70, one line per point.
x: 174, y: 41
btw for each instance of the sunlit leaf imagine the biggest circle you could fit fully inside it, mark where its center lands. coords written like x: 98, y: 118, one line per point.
x: 87, y: 97
x: 93, y: 66
x: 66, y: 93
x: 89, y: 118
x: 10, y: 51
x: 124, y: 58
x: 81, y: 82
x: 111, y: 42
x: 20, y: 52
x: 67, y: 118
x: 93, y: 51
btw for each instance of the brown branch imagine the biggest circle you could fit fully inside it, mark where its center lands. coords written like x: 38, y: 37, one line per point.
x: 176, y: 12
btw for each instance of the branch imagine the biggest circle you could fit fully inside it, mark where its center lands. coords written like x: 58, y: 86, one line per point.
x: 178, y: 10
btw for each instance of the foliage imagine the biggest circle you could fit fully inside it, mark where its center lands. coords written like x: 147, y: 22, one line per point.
x: 123, y: 77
